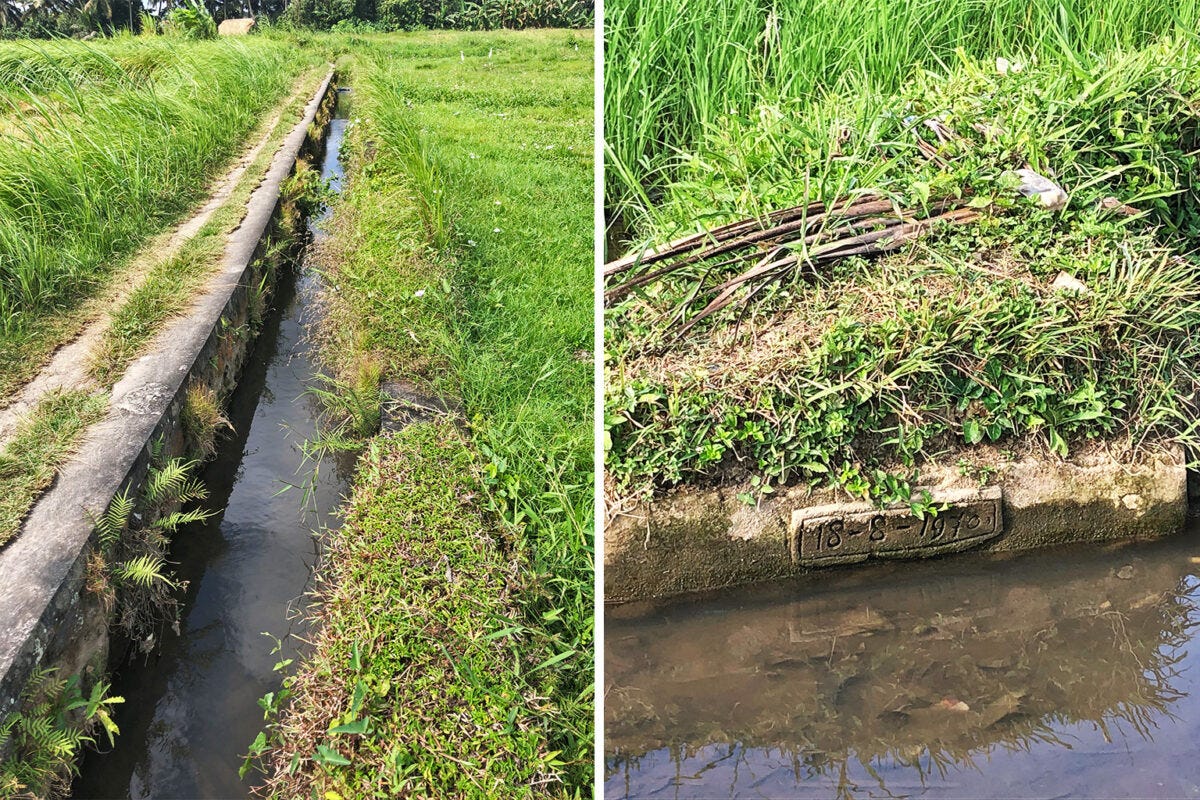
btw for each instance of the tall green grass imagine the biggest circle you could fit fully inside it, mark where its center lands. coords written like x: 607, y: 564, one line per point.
x: 673, y: 69
x: 508, y: 129
x: 103, y: 144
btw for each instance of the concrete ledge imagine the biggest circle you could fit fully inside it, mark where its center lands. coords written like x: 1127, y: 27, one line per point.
x: 47, y: 617
x: 694, y: 540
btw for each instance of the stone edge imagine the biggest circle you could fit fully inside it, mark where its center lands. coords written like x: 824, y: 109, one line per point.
x: 700, y: 539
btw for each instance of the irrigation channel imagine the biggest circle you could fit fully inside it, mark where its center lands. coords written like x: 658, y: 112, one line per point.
x: 1071, y: 672
x: 190, y: 710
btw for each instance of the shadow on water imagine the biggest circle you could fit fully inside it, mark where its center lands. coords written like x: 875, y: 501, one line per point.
x: 1066, y: 673
x: 191, y: 707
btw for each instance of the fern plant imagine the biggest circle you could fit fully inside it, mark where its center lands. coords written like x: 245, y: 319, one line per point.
x: 134, y: 537
x: 43, y: 738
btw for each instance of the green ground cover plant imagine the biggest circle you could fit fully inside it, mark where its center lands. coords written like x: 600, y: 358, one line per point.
x: 74, y: 202
x: 858, y: 373
x: 460, y: 262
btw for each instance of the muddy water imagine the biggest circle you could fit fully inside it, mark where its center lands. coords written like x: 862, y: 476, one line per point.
x: 191, y: 707
x: 1065, y: 673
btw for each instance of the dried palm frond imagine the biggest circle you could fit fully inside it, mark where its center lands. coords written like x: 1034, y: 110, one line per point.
x: 781, y: 245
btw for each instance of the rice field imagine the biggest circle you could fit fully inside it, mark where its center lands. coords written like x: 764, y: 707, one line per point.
x: 676, y: 70
x: 103, y: 144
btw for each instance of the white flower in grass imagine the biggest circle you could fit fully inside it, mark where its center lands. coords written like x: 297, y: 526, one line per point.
x: 495, y: 230
x: 419, y: 293
x: 472, y: 155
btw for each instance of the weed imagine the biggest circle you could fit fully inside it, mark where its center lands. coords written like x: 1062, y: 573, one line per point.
x: 355, y: 403
x: 201, y: 418
x: 133, y: 537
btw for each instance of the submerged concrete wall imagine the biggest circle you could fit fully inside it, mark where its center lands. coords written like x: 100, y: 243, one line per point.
x: 48, y: 618
x: 694, y: 540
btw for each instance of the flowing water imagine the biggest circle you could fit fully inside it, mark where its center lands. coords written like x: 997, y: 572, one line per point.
x: 191, y: 707
x: 1062, y: 673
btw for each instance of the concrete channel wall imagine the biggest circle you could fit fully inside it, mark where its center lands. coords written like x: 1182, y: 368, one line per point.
x: 48, y: 618
x: 693, y: 539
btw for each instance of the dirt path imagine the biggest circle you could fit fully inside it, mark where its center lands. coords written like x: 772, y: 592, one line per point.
x: 68, y: 366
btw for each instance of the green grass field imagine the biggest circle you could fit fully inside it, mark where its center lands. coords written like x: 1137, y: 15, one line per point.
x: 674, y: 70
x: 859, y: 372
x: 105, y: 144
x: 461, y: 261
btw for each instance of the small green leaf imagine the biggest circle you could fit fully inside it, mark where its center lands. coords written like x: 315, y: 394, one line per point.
x: 358, y: 726
x: 329, y: 756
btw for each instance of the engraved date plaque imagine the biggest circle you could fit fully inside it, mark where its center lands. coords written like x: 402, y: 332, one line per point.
x: 846, y: 533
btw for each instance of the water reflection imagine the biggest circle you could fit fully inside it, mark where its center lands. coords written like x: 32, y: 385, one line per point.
x: 1056, y: 674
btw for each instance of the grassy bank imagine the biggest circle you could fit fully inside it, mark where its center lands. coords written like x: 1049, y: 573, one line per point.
x: 105, y: 144
x: 857, y: 371
x: 156, y: 283
x: 414, y: 687
x: 460, y: 262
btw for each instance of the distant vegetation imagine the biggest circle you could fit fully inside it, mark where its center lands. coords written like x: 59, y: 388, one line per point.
x: 81, y: 18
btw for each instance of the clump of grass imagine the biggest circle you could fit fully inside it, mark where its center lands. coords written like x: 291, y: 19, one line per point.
x: 674, y: 70
x: 42, y: 442
x: 878, y: 409
x: 440, y: 704
x: 355, y: 402
x: 408, y: 149
x: 201, y: 418
x: 854, y: 375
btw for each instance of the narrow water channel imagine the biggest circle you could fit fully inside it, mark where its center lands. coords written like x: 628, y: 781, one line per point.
x: 1065, y: 673
x: 191, y: 707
